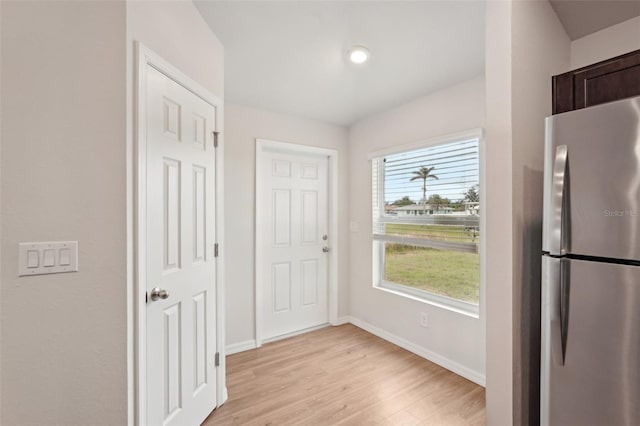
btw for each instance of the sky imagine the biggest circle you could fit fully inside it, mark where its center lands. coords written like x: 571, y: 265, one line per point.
x: 456, y: 166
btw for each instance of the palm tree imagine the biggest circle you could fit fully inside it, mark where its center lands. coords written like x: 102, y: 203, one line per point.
x: 424, y: 173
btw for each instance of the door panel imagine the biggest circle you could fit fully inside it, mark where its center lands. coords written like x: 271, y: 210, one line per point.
x: 172, y: 338
x: 171, y: 211
x: 309, y: 282
x: 599, y: 383
x: 199, y: 213
x: 281, y: 284
x: 181, y: 376
x: 199, y: 341
x: 309, y: 218
x: 294, y: 267
x: 281, y: 218
x: 603, y: 178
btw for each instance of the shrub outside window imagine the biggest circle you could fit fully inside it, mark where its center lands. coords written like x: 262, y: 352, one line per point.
x: 426, y: 222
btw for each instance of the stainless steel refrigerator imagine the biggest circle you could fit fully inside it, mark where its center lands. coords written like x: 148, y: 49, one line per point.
x: 590, y: 361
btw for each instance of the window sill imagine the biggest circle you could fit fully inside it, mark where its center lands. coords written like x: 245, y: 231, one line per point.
x: 459, y: 307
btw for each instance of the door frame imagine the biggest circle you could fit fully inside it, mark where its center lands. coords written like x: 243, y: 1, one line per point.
x: 137, y: 322
x: 263, y: 145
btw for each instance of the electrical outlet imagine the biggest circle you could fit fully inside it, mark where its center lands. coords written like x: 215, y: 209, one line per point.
x: 424, y: 320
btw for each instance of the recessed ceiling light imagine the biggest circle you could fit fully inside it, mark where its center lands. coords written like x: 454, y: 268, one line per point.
x: 359, y: 54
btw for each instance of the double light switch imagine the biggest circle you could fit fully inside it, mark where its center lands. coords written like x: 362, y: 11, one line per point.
x: 47, y: 258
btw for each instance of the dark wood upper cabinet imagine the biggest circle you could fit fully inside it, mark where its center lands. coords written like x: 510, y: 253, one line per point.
x: 606, y: 81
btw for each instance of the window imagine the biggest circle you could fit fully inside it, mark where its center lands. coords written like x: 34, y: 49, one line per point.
x: 426, y: 222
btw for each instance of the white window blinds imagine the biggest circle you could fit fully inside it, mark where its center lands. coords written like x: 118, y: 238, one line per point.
x: 428, y: 197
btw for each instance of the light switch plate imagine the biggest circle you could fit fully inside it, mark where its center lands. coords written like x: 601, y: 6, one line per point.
x: 49, y: 259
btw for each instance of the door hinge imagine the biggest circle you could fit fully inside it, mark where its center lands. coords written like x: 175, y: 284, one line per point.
x: 216, y: 360
x: 216, y: 250
x: 215, y: 139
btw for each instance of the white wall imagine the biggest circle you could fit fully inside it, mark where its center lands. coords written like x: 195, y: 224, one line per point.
x: 66, y: 77
x: 454, y: 338
x: 536, y: 57
x: 63, y: 178
x: 0, y: 223
x: 176, y: 31
x: 520, y: 62
x: 607, y: 43
x: 242, y: 126
x: 499, y: 302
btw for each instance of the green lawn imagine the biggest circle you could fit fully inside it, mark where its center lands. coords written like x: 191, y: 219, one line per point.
x: 447, y: 273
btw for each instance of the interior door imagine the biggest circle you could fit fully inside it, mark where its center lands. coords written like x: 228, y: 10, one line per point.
x: 181, y: 372
x: 295, y: 243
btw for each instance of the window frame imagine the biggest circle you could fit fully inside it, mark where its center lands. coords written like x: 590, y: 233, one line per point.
x: 377, y: 244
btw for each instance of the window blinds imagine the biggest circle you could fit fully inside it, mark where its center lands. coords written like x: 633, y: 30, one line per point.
x: 447, y: 217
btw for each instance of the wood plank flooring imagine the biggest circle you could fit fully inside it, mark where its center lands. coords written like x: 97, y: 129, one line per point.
x: 344, y: 376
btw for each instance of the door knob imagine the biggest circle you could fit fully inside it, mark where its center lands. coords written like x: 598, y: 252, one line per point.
x: 159, y: 293
x: 325, y: 249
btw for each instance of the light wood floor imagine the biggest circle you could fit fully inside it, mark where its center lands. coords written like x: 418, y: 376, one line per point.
x: 344, y: 376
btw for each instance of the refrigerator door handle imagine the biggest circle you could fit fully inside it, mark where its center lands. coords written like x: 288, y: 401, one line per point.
x: 565, y: 287
x: 556, y: 275
x: 561, y: 224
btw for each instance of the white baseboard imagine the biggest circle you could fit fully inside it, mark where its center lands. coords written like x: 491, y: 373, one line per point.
x: 442, y: 361
x: 234, y: 348
x: 295, y: 333
x: 341, y: 321
x: 247, y: 345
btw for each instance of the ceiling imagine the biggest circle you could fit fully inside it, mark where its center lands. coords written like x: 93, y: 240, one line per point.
x: 290, y: 56
x: 584, y: 17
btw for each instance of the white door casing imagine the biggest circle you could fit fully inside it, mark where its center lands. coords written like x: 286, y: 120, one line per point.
x: 178, y: 337
x: 293, y: 219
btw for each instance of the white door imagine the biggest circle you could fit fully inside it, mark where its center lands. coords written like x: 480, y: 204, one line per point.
x: 181, y: 328
x: 294, y: 270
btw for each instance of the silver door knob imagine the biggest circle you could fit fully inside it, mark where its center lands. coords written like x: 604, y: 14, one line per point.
x: 325, y: 249
x: 159, y: 293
